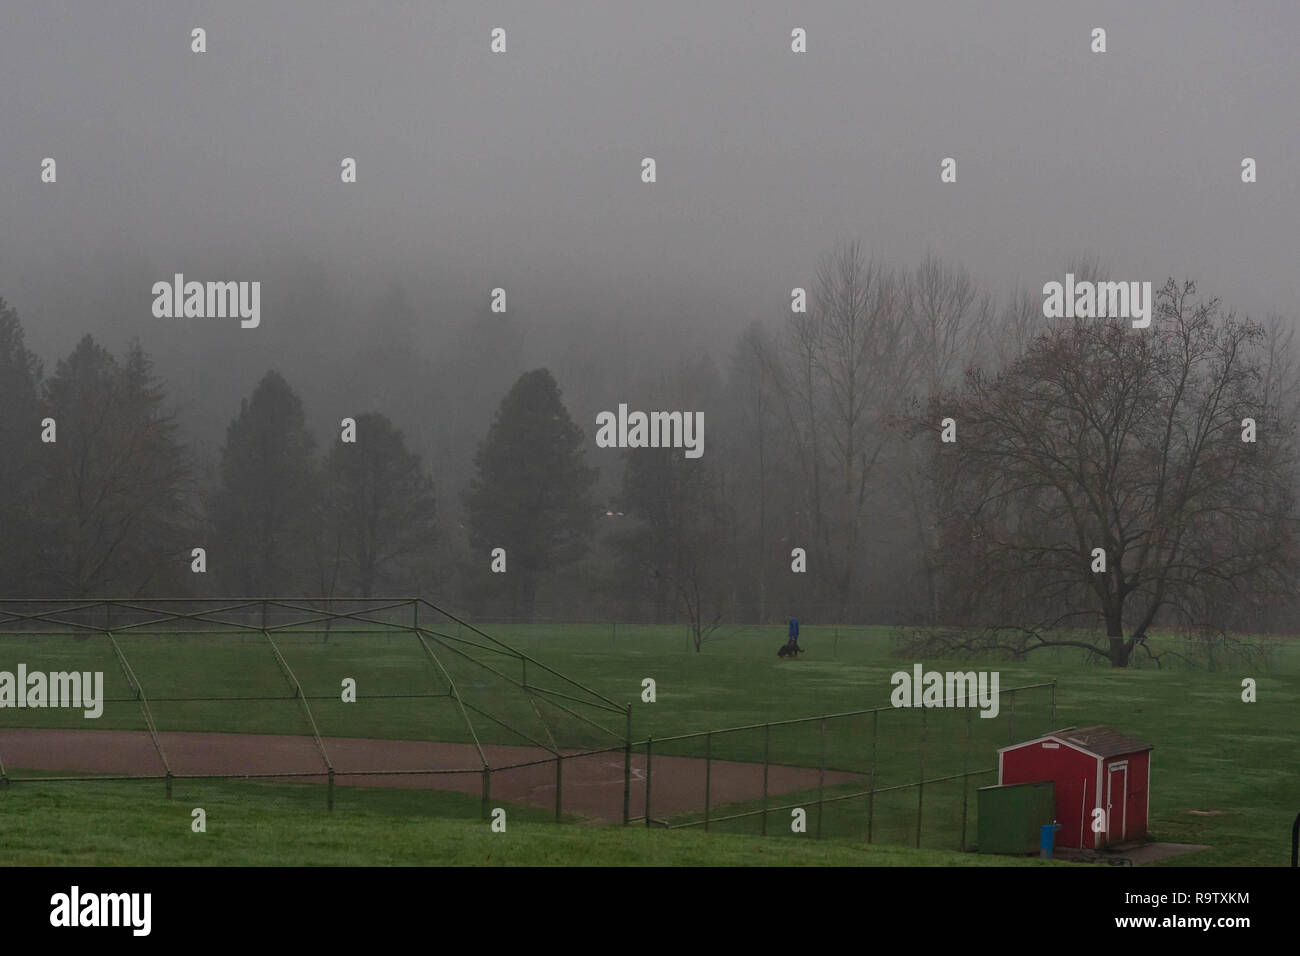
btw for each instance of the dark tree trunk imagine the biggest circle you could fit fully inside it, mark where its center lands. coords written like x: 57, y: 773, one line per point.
x: 1116, y: 650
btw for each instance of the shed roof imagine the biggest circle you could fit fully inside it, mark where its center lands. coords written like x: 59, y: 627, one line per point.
x: 1103, y: 741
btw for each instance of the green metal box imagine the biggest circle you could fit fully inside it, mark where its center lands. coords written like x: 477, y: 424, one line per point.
x: 1010, y: 818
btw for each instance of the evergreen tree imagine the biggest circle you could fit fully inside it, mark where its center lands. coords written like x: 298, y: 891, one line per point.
x: 267, y: 506
x: 379, y: 513
x: 20, y: 373
x: 531, y: 493
x: 114, y: 485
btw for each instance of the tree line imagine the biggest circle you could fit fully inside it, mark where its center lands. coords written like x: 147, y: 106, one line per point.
x: 828, y: 490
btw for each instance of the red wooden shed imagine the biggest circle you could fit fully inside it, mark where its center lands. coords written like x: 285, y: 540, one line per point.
x: 1090, y: 767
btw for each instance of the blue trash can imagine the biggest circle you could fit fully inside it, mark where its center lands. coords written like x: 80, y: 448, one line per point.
x: 1047, y: 839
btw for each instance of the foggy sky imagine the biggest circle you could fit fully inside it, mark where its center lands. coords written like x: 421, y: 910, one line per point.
x: 523, y: 170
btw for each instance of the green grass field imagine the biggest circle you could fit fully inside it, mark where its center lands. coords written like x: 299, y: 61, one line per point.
x: 119, y: 824
x: 1212, y: 752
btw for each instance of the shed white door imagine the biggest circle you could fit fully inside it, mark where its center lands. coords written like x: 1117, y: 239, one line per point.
x: 1116, y: 798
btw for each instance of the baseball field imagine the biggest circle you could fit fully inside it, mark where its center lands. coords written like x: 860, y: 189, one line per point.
x: 1225, y: 772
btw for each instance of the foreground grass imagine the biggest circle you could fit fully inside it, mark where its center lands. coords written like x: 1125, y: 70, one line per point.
x: 248, y: 824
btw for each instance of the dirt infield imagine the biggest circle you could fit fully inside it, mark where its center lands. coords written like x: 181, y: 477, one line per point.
x: 591, y: 785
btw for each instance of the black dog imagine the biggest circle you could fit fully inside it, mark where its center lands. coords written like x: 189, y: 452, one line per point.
x: 789, y: 650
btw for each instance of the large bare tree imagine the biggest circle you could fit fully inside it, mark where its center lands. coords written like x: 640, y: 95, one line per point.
x: 845, y: 371
x: 951, y: 322
x: 1101, y: 436
x: 752, y: 389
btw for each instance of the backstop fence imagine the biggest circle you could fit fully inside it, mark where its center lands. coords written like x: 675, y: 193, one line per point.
x: 400, y: 693
x: 340, y: 691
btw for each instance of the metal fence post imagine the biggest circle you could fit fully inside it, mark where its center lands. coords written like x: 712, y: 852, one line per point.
x: 767, y: 738
x: 649, y: 745
x: 329, y: 798
x: 627, y: 768
x: 1053, y: 726
x: 920, y: 784
x: 1012, y: 726
x: 487, y: 792
x: 708, y: 776
x: 821, y: 776
x: 965, y: 778
x: 559, y: 784
x: 871, y: 794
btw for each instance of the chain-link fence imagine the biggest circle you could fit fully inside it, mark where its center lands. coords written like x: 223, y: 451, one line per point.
x: 883, y: 775
x: 394, y: 693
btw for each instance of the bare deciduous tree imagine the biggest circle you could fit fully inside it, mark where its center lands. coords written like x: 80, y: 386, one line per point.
x: 846, y: 369
x: 1105, y: 437
x: 753, y: 386
x: 946, y: 312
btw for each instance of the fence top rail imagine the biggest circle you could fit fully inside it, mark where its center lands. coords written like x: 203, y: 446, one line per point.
x: 803, y: 720
x: 65, y: 606
x: 17, y: 611
x: 194, y: 610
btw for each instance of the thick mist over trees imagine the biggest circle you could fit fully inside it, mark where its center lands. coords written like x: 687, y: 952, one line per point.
x: 901, y: 446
